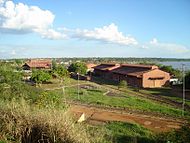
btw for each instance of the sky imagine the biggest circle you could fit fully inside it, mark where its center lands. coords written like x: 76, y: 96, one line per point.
x: 94, y: 28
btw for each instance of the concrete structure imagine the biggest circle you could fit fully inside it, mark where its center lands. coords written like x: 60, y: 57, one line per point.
x: 146, y: 76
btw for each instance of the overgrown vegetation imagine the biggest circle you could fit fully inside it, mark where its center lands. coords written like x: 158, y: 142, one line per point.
x: 20, y: 122
x: 30, y: 115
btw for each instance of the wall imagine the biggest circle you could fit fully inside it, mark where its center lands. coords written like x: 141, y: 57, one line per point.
x: 152, y: 83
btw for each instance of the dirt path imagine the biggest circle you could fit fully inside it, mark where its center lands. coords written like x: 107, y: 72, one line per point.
x: 97, y: 115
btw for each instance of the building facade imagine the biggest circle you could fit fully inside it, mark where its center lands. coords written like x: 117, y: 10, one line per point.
x: 145, y: 76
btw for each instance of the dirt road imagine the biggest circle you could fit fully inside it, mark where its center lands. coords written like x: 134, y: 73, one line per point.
x: 98, y: 115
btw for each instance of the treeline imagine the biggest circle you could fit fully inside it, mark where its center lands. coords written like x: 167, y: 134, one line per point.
x: 108, y: 59
x: 120, y: 60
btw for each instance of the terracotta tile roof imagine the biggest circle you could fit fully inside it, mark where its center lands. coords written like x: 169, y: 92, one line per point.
x: 107, y: 67
x: 140, y: 66
x: 39, y: 63
x: 89, y: 66
x: 133, y: 70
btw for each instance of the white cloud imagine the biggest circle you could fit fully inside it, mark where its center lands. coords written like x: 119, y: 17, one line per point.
x: 154, y: 41
x: 25, y: 19
x: 13, y: 52
x: 170, y: 47
x: 108, y: 34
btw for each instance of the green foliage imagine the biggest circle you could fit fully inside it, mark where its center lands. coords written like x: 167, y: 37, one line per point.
x: 61, y: 71
x: 78, y: 67
x: 122, y: 84
x: 49, y: 100
x: 54, y: 64
x: 9, y: 75
x: 12, y: 86
x: 171, y: 70
x: 187, y: 79
x: 181, y: 135
x: 18, y: 61
x: 40, y: 76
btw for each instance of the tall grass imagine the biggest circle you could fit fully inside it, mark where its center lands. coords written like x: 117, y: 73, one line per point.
x: 20, y: 122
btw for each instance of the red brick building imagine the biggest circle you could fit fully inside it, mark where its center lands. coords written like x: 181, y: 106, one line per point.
x: 104, y: 70
x: 146, y: 76
x: 37, y: 64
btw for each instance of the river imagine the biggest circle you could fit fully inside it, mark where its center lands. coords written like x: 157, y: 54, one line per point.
x: 177, y: 65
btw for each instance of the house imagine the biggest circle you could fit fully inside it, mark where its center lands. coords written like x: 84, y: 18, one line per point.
x: 37, y: 64
x: 104, y: 70
x: 146, y: 76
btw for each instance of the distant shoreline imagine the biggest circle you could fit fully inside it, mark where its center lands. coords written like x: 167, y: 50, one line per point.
x: 110, y: 58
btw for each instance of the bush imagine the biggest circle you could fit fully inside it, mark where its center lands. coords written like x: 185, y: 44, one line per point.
x: 122, y: 84
x: 40, y: 76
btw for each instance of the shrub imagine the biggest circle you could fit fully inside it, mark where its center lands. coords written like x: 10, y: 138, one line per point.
x: 122, y: 84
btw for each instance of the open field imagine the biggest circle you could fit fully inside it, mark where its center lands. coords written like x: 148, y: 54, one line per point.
x: 99, y: 95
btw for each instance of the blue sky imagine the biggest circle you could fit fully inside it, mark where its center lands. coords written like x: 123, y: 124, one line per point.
x: 98, y: 28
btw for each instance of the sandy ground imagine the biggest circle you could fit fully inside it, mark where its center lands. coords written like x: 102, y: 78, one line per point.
x: 97, y: 116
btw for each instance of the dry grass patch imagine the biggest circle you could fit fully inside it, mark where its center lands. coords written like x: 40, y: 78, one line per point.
x: 20, y: 122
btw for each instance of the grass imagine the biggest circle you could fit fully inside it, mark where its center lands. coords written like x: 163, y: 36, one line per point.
x: 126, y: 101
x: 54, y: 83
x: 125, y: 132
x: 120, y: 132
x: 20, y: 122
x: 178, y: 99
x: 166, y: 93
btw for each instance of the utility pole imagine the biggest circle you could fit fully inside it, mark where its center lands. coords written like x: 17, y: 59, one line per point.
x: 78, y: 85
x: 183, y: 104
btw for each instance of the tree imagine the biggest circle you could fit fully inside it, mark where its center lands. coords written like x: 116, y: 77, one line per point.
x: 78, y: 67
x: 171, y: 70
x: 9, y: 75
x: 40, y: 76
x: 122, y: 83
x: 61, y: 72
x: 18, y: 61
x: 54, y: 65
